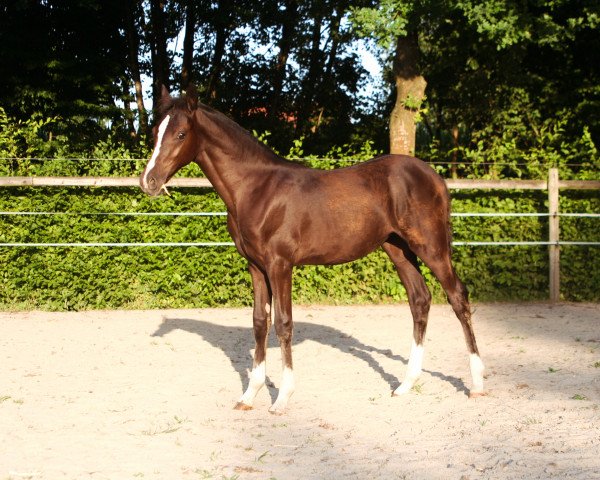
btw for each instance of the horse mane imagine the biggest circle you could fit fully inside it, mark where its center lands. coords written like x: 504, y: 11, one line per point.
x: 168, y: 103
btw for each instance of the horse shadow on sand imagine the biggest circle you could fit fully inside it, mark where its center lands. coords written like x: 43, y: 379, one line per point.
x: 238, y: 342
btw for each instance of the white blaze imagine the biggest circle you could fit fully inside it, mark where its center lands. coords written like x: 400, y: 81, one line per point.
x: 161, y: 131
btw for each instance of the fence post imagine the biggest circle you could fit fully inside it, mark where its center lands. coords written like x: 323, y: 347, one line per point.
x: 554, y: 235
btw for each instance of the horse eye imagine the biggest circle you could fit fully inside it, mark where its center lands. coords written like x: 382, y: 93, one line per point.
x: 181, y: 135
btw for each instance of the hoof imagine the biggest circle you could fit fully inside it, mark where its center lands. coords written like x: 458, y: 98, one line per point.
x: 276, y: 410
x: 400, y: 392
x: 477, y: 394
x: 242, y: 406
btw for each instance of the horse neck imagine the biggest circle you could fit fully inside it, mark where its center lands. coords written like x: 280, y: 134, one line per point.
x: 230, y: 158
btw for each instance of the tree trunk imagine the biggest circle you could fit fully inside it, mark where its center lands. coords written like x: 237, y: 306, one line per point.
x: 188, y: 45
x: 217, y: 63
x: 454, y: 165
x: 160, y: 60
x: 129, y: 123
x: 334, y: 34
x: 133, y: 43
x: 410, y: 92
x: 313, y: 78
x: 222, y: 26
x: 285, y: 46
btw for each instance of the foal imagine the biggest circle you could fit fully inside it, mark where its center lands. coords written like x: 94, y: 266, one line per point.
x: 282, y: 214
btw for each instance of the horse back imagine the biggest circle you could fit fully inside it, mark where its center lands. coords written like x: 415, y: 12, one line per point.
x: 334, y: 216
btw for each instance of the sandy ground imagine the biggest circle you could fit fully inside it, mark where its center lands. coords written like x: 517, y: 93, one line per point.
x: 149, y: 394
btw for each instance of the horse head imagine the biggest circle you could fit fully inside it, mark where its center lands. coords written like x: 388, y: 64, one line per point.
x: 175, y: 142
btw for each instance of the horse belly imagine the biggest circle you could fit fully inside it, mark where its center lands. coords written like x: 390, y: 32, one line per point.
x: 340, y: 239
x: 334, y: 256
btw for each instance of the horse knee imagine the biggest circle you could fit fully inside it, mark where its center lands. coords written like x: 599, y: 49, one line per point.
x: 284, y: 329
x: 260, y: 327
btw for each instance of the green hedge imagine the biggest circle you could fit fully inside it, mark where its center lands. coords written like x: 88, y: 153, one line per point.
x: 51, y: 278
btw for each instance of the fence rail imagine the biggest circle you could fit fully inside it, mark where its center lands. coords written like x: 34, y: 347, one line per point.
x: 224, y: 214
x: 553, y: 185
x: 453, y: 184
x: 95, y: 182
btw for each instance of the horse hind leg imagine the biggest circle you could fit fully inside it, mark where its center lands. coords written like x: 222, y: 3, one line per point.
x: 440, y: 264
x: 419, y: 299
x: 261, y: 324
x: 459, y: 299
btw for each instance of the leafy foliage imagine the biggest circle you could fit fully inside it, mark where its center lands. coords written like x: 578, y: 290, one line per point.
x: 501, y: 75
x: 294, y: 68
x: 65, y: 61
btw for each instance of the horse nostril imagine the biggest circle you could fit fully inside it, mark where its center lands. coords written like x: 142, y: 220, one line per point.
x: 152, y: 182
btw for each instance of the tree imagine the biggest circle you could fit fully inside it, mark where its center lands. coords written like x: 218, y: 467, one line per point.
x: 286, y: 69
x: 158, y: 49
x: 501, y: 77
x: 523, y: 83
x: 410, y: 92
x: 284, y: 66
x: 187, y: 64
x: 394, y: 23
x: 70, y: 64
x: 490, y: 65
x: 133, y: 42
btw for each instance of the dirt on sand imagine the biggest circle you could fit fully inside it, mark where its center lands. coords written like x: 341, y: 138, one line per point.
x: 149, y: 395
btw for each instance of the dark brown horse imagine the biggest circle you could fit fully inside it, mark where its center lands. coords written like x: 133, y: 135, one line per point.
x: 282, y: 214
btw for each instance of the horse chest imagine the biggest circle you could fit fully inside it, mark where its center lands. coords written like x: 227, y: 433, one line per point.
x: 247, y: 238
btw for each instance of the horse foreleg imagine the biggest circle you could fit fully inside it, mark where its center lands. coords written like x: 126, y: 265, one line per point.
x: 261, y: 322
x: 280, y: 277
x: 419, y: 300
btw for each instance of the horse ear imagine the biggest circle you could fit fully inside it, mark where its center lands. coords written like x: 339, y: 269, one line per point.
x: 164, y: 103
x: 191, y: 95
x: 164, y: 93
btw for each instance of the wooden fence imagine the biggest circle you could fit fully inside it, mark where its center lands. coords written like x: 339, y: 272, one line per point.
x: 553, y: 185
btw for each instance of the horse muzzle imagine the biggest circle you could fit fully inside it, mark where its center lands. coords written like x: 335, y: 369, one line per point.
x: 152, y: 186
